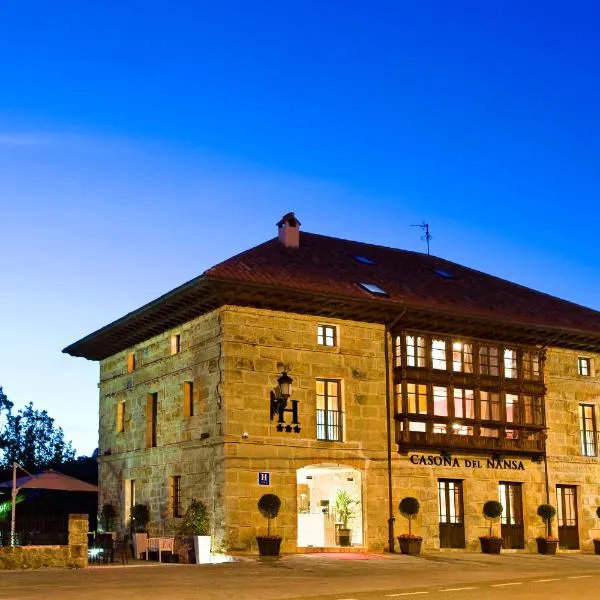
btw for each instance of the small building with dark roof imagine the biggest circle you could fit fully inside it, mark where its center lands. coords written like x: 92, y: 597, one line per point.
x: 411, y: 376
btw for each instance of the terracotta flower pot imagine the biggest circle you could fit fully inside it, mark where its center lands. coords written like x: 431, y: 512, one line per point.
x: 546, y: 546
x: 410, y: 545
x: 268, y: 545
x: 491, y: 545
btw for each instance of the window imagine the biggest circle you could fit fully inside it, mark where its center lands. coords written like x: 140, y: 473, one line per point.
x: 444, y: 274
x: 440, y: 401
x: 175, y: 496
x: 131, y: 362
x: 489, y: 363
x: 120, y: 416
x: 531, y: 365
x: 415, y: 351
x: 326, y: 335
x: 329, y: 410
x: 129, y: 500
x: 188, y: 398
x: 464, y: 404
x: 584, y: 366
x: 151, y: 419
x: 458, y: 429
x: 417, y: 398
x: 462, y: 357
x: 510, y: 363
x: 512, y: 408
x: 373, y: 288
x: 398, y: 351
x: 587, y: 427
x: 532, y: 410
x: 438, y: 354
x: 365, y: 260
x: 489, y: 406
x: 175, y: 344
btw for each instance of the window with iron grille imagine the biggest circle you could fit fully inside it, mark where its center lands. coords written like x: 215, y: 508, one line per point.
x: 327, y: 335
x: 176, y: 495
x: 587, y: 427
x: 329, y: 410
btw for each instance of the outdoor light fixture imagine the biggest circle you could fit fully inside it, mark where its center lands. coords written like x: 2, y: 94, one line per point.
x: 279, y: 402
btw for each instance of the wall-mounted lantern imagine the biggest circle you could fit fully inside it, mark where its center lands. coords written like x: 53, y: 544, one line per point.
x: 279, y: 400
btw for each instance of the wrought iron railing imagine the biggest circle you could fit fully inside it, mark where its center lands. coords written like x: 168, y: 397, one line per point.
x: 330, y: 425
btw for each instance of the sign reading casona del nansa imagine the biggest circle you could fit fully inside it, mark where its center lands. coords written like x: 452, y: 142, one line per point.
x: 430, y: 460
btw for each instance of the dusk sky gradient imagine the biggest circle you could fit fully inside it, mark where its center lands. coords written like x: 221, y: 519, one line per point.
x: 143, y: 142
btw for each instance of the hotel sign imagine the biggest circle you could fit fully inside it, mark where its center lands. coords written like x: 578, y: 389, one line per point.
x: 429, y: 460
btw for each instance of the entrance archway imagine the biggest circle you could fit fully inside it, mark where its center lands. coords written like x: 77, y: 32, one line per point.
x: 318, y: 487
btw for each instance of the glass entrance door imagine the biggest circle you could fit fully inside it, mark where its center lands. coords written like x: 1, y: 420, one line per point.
x: 568, y: 528
x: 451, y: 513
x: 513, y: 535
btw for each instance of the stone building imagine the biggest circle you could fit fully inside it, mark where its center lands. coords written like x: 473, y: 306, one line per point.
x: 412, y: 376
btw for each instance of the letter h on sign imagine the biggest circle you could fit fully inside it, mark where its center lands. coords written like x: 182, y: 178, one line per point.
x: 279, y: 407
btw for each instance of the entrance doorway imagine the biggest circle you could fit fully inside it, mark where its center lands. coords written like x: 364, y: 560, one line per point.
x: 568, y: 527
x: 511, y: 522
x: 318, y: 488
x: 451, y: 513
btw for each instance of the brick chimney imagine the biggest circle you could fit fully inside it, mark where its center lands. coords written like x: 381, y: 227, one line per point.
x: 289, y: 231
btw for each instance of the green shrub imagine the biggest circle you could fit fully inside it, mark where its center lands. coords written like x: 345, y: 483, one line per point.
x: 195, y: 520
x: 108, y: 517
x: 269, y: 505
x: 409, y: 507
x: 547, y: 513
x: 140, y: 515
x: 492, y: 509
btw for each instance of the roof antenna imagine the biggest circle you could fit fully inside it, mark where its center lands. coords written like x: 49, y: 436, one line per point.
x: 426, y: 237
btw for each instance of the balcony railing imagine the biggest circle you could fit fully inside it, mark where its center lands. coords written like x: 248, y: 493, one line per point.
x: 330, y: 425
x: 589, y: 443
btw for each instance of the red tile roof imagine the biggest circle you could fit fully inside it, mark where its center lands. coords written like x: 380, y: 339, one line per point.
x: 322, y: 277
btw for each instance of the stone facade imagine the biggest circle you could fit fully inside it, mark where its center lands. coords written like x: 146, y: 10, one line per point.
x: 234, y: 356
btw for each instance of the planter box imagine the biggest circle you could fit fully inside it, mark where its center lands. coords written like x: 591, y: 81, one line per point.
x: 344, y: 536
x: 491, y: 545
x: 545, y: 546
x: 596, y: 546
x: 268, y: 546
x: 410, y: 546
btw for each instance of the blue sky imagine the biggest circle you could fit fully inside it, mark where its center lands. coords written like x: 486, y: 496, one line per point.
x: 142, y: 142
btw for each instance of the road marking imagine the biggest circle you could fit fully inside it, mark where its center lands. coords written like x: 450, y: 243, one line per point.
x: 578, y: 576
x: 505, y: 584
x: 405, y: 594
x: 458, y: 589
x: 544, y: 580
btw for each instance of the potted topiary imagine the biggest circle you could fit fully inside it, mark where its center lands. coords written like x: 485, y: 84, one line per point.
x: 345, y: 508
x: 195, y: 523
x: 491, y: 544
x: 268, y: 545
x: 140, y: 516
x: 597, y: 540
x: 409, y: 543
x: 108, y: 518
x: 548, y: 543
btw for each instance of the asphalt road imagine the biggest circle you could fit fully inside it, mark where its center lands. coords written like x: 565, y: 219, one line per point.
x: 335, y: 577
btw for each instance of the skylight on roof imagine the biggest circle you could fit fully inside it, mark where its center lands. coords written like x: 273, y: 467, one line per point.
x: 373, y: 288
x: 444, y: 274
x: 365, y: 260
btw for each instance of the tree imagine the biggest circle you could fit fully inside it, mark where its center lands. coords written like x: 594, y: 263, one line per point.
x: 31, y: 438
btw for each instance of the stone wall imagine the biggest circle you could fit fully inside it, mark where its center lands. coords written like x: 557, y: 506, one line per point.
x: 74, y: 555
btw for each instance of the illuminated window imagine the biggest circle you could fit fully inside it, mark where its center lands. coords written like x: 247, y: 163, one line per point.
x: 440, y: 428
x: 512, y: 408
x: 532, y: 410
x: 329, y: 410
x: 120, y: 416
x: 462, y: 357
x: 489, y: 363
x: 464, y: 404
x: 531, y: 365
x: 488, y: 432
x: 438, y: 354
x: 440, y: 401
x: 584, y: 366
x: 489, y: 406
x: 510, y: 363
x: 417, y: 398
x: 398, y: 351
x: 415, y: 351
x: 458, y: 429
x: 131, y: 362
x: 188, y: 398
x: 175, y: 496
x: 326, y: 335
x: 587, y: 427
x: 175, y: 343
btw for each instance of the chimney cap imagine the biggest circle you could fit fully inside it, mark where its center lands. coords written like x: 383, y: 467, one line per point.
x: 289, y: 219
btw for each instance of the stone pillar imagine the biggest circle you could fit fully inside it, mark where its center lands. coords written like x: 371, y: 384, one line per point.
x: 78, y: 543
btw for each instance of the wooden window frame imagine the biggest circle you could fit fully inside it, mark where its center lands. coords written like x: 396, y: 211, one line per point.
x: 175, y: 496
x: 585, y: 443
x: 131, y: 363
x: 151, y: 420
x: 322, y: 335
x: 188, y: 399
x: 332, y: 431
x: 584, y: 366
x: 120, y: 424
x: 175, y: 344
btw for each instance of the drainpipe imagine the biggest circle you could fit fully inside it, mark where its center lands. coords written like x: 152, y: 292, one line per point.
x: 388, y: 405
